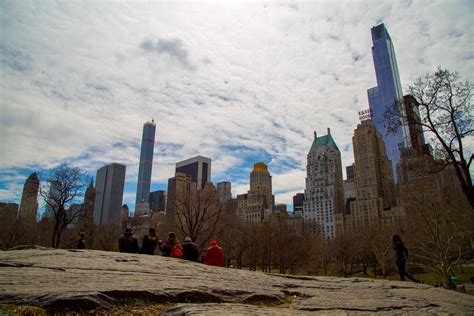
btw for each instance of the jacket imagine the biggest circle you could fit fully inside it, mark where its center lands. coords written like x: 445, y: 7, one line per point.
x: 128, y: 243
x: 214, y: 254
x: 149, y: 245
x: 190, y: 251
x: 166, y: 247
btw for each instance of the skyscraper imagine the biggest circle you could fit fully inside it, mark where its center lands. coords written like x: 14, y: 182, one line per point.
x: 257, y: 205
x: 53, y: 196
x: 374, y: 186
x: 146, y: 163
x: 29, y: 198
x: 323, y: 196
x: 225, y: 190
x: 110, y: 181
x: 199, y: 168
x: 157, y: 201
x: 179, y: 188
x: 89, y: 200
x: 386, y: 95
x: 298, y: 201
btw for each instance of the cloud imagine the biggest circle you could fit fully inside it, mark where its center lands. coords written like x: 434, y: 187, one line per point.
x: 172, y: 47
x: 242, y: 84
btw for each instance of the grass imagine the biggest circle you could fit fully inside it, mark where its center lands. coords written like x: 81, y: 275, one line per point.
x: 428, y: 278
x: 117, y: 310
x: 21, y: 310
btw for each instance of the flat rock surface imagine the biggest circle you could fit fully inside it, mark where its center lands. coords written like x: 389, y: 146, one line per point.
x: 80, y: 280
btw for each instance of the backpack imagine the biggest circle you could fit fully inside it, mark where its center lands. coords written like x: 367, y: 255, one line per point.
x: 177, y: 252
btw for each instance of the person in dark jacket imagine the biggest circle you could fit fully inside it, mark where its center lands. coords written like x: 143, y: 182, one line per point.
x: 128, y: 243
x: 167, y: 246
x: 401, y: 254
x: 81, y: 242
x: 190, y: 250
x: 149, y: 242
x: 214, y: 254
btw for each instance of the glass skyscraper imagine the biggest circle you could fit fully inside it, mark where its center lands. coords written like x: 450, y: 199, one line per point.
x: 146, y: 163
x: 387, y: 92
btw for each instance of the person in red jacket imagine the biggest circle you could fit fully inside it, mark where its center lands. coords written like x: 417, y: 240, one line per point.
x: 214, y: 254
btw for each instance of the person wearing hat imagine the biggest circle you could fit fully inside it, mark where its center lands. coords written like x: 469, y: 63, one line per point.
x: 128, y: 243
x: 167, y: 246
x: 214, y: 254
x: 190, y: 250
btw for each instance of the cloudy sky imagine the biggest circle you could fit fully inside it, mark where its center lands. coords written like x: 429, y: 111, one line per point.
x: 239, y: 82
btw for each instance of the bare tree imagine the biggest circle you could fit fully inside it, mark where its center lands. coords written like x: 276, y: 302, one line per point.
x: 343, y: 252
x: 445, y: 107
x: 64, y: 185
x: 197, y: 212
x: 440, y: 225
x: 378, y: 238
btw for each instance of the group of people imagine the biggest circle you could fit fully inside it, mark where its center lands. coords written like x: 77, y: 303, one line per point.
x: 188, y: 250
x: 214, y: 255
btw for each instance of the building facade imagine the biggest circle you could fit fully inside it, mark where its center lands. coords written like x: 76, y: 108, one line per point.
x: 179, y: 187
x: 110, y: 182
x: 387, y: 95
x: 199, y: 168
x: 53, y: 196
x: 298, y: 200
x: 29, y: 198
x: 157, y: 201
x: 323, y: 196
x: 146, y: 163
x: 257, y: 205
x: 375, y: 194
x: 225, y: 190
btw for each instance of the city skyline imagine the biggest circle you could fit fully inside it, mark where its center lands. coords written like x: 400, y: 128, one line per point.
x: 219, y: 89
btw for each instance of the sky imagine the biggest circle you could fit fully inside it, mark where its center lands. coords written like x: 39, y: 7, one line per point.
x: 236, y: 81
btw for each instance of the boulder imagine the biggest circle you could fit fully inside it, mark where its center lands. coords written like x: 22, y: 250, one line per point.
x: 82, y: 280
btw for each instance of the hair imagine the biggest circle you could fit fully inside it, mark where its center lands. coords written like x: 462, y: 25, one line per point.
x: 171, y: 235
x: 128, y: 230
x: 396, y: 238
x: 152, y: 231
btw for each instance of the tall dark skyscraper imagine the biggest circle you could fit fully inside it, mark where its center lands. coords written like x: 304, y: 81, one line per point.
x: 199, y: 168
x: 146, y: 163
x: 387, y: 93
x: 109, y: 185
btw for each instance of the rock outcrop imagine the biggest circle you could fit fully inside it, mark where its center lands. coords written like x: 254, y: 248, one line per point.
x: 81, y: 280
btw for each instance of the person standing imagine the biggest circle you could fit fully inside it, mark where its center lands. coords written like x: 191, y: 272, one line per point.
x: 190, y: 250
x: 81, y: 243
x: 128, y: 243
x: 214, y: 254
x: 401, y: 254
x: 167, y: 246
x: 149, y: 242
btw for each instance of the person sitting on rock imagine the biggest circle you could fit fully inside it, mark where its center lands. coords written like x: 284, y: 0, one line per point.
x: 190, y: 250
x: 214, y: 254
x: 177, y: 251
x: 168, y: 245
x: 149, y: 242
x: 128, y: 243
